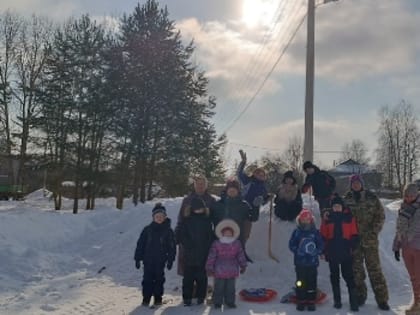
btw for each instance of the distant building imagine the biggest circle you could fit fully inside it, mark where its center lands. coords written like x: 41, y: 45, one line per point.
x: 343, y: 171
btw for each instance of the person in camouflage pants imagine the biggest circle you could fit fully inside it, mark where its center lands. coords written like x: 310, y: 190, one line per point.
x: 370, y: 216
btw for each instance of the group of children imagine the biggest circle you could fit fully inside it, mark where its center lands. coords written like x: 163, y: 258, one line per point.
x: 224, y: 257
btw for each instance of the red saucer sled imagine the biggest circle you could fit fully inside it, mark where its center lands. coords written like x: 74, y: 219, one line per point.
x: 259, y: 295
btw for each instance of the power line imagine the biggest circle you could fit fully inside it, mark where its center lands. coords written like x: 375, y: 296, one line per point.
x: 253, y: 61
x: 289, y: 18
x: 278, y: 149
x: 266, y: 78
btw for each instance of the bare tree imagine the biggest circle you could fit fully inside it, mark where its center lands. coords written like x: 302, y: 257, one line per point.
x: 398, y: 150
x: 9, y: 27
x: 355, y: 150
x: 30, y: 59
x: 293, y: 155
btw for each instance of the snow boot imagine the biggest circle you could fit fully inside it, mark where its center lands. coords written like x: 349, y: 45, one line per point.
x: 354, y: 304
x: 311, y: 306
x: 146, y: 301
x: 384, y: 306
x: 361, y: 300
x: 157, y: 301
x: 187, y: 302
x: 300, y: 306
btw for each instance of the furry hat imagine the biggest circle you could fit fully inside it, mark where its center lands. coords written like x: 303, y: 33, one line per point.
x: 411, y: 190
x: 230, y: 224
x: 357, y: 177
x: 158, y: 208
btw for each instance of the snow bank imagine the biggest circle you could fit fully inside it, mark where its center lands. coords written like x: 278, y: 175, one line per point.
x: 50, y: 261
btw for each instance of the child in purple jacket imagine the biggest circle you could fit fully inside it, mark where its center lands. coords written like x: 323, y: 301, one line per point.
x: 226, y: 259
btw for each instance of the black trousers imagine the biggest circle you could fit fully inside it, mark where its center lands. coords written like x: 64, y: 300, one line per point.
x: 198, y: 275
x: 306, y: 283
x: 346, y: 271
x: 153, y: 280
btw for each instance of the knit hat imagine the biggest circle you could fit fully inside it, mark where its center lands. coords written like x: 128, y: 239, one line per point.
x: 305, y: 214
x: 308, y: 164
x: 357, y: 177
x: 158, y: 208
x: 337, y: 200
x: 227, y: 224
x: 197, y: 203
x: 288, y: 174
x: 411, y: 190
x: 233, y: 184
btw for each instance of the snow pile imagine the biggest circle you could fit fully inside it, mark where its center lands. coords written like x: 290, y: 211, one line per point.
x: 59, y: 263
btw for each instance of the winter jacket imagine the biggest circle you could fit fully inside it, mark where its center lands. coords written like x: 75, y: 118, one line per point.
x: 288, y: 202
x: 306, y: 246
x: 231, y: 208
x: 196, y: 236
x: 185, y: 205
x: 322, y: 183
x: 225, y: 259
x: 368, y: 212
x: 408, y: 226
x: 340, y: 235
x: 253, y: 191
x: 156, y: 244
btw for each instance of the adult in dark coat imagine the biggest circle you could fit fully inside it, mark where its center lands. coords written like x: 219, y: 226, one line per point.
x: 232, y: 206
x: 200, y: 191
x: 196, y: 235
x: 288, y: 201
x: 322, y: 183
x: 156, y: 249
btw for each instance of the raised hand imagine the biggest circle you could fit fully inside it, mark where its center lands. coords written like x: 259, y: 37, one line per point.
x: 243, y: 156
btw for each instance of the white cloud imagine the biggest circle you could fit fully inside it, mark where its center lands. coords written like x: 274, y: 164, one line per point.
x: 361, y: 39
x: 55, y: 9
x: 238, y: 56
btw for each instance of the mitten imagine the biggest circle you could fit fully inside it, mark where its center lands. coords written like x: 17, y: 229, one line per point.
x: 169, y: 265
x: 137, y: 264
x: 397, y: 255
x: 242, y: 270
x: 243, y: 156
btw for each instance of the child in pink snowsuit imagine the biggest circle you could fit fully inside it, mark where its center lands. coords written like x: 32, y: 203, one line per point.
x: 226, y: 259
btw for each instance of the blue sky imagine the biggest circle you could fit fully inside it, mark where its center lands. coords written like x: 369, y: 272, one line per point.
x: 367, y: 56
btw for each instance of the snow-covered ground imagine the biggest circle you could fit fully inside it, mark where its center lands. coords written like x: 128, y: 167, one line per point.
x: 59, y: 263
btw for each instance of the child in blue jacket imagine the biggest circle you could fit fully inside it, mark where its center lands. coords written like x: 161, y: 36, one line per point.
x: 307, y: 245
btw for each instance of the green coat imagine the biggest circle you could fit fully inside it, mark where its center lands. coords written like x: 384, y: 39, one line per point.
x: 369, y: 214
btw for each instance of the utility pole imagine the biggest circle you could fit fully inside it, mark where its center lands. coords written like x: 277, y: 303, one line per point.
x: 308, y: 145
